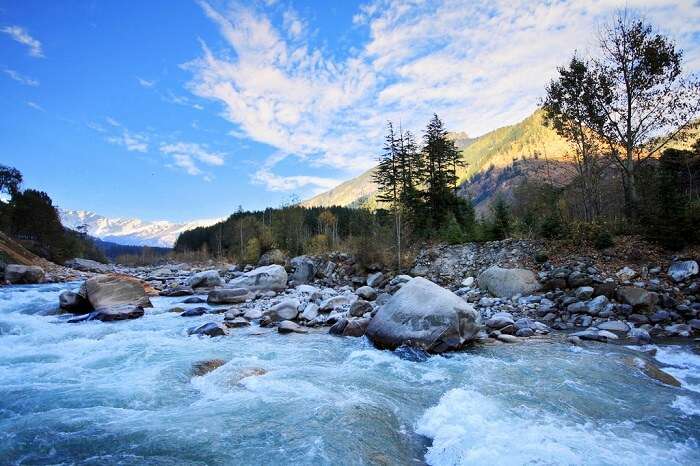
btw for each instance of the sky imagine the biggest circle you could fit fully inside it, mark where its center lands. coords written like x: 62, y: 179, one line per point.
x: 182, y: 109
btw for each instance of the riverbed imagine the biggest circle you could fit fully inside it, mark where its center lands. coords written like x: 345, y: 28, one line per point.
x: 125, y: 393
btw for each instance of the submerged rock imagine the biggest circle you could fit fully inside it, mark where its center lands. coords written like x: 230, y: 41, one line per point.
x: 506, y: 283
x: 23, y: 274
x: 211, y: 329
x: 652, y: 371
x: 112, y: 313
x: 74, y: 302
x: 203, y: 367
x: 424, y: 315
x: 349, y: 328
x: 194, y: 312
x: 287, y: 326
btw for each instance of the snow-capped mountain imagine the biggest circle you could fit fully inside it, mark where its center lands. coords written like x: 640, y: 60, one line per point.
x: 130, y: 231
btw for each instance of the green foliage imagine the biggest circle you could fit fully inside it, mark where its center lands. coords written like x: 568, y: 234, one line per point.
x: 603, y: 239
x: 501, y: 224
x: 252, y: 251
x: 452, y: 233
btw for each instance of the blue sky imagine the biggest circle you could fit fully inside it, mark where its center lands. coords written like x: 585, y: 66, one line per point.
x: 181, y: 109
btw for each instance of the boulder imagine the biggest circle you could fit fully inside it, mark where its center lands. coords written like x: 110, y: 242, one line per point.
x: 272, y: 257
x: 177, y: 291
x: 194, y: 312
x: 203, y: 367
x: 626, y: 274
x: 507, y: 338
x: 271, y: 277
x: 286, y: 310
x: 310, y: 312
x: 252, y: 314
x: 236, y: 322
x: 205, y: 279
x: 112, y: 313
x: 376, y: 280
x: 638, y: 298
x: 682, y: 270
x: 229, y: 296
x: 23, y: 274
x: 335, y: 302
x: 652, y: 371
x: 194, y: 300
x: 360, y: 308
x: 506, y: 283
x: 74, y: 302
x: 614, y: 326
x: 287, y: 326
x: 424, y: 315
x: 114, y: 290
x: 87, y: 265
x: 304, y: 270
x: 366, y: 292
x: 500, y: 320
x: 210, y: 329
x: 349, y: 328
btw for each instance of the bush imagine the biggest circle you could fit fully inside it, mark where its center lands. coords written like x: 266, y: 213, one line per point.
x: 603, y: 239
x: 452, y: 233
x: 318, y: 244
x: 552, y: 227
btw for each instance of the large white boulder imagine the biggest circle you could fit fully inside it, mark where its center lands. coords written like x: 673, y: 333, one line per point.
x: 271, y: 277
x: 506, y: 283
x: 682, y: 270
x: 105, y: 291
x: 23, y: 274
x: 207, y: 278
x: 424, y: 315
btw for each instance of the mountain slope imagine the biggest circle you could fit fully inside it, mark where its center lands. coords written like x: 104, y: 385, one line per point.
x: 528, y: 140
x: 130, y: 231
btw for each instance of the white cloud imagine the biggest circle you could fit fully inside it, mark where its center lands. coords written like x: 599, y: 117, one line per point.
x: 113, y: 122
x: 145, y: 82
x: 480, y: 64
x: 35, y: 106
x: 133, y: 142
x: 22, y: 36
x: 274, y: 182
x: 27, y: 81
x: 185, y: 155
x: 95, y: 127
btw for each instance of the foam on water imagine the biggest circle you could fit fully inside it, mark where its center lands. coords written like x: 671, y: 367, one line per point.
x: 124, y: 392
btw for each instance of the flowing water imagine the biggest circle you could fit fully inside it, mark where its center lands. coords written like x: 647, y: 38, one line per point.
x: 123, y: 393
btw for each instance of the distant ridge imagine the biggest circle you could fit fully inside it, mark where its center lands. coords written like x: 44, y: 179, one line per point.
x: 498, y: 149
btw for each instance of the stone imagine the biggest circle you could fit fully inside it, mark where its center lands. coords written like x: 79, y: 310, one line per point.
x: 638, y: 298
x: 113, y: 313
x: 349, y: 328
x: 682, y: 270
x: 652, y: 371
x: 694, y: 324
x: 114, y: 290
x: 376, y: 280
x: 367, y: 293
x: 87, y: 265
x: 506, y: 283
x: 614, y: 326
x: 287, y: 326
x: 285, y: 310
x: 525, y: 332
x: 210, y: 329
x: 272, y: 257
x: 625, y: 274
x: 194, y: 312
x: 74, y: 303
x: 659, y: 316
x: 579, y: 307
x: 304, y: 270
x: 307, y: 289
x: 638, y: 318
x: 229, y: 296
x: 578, y: 279
x: 252, y: 314
x: 592, y: 335
x: 335, y: 302
x: 236, y: 322
x: 584, y: 292
x: 177, y: 309
x: 268, y: 278
x: 640, y: 335
x: 360, y: 308
x: 194, y: 300
x: 507, y: 338
x: 468, y: 282
x: 23, y: 274
x: 310, y: 312
x: 205, y: 279
x: 203, y: 367
x: 424, y: 315
x: 500, y: 320
x: 596, y: 305
x: 180, y: 290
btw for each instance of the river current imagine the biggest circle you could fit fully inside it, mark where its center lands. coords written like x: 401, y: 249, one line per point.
x: 124, y: 393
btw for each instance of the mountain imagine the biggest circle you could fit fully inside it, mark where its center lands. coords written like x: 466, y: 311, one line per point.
x: 130, y: 231
x: 528, y: 142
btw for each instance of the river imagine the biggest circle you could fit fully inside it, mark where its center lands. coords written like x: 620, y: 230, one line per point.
x: 123, y: 393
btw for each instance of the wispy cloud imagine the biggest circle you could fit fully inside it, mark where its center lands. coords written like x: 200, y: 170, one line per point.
x: 133, y: 142
x: 185, y: 155
x: 26, y: 80
x: 35, y: 106
x: 22, y: 36
x: 274, y: 182
x: 480, y: 64
x: 145, y: 82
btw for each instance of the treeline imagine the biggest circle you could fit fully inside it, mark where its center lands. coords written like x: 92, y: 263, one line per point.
x: 628, y: 112
x: 30, y: 217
